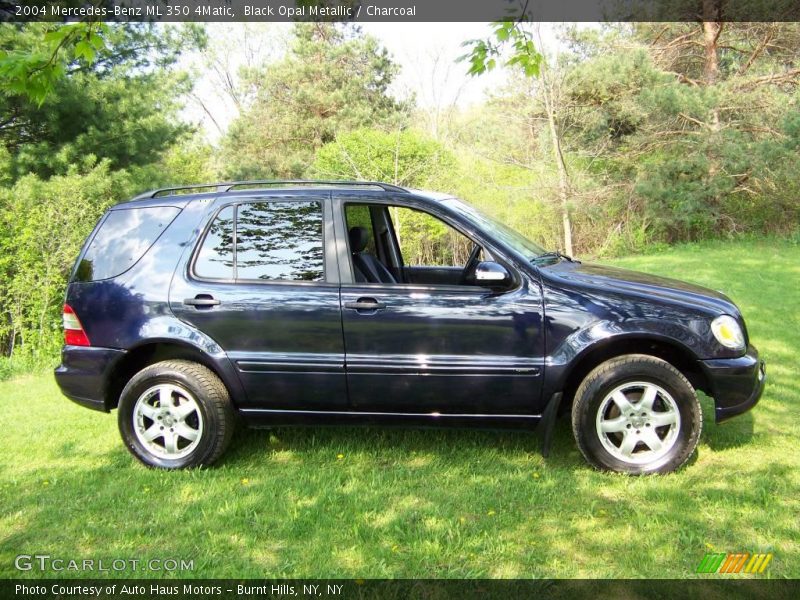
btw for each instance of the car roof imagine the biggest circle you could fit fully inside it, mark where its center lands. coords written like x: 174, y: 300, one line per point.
x: 179, y: 196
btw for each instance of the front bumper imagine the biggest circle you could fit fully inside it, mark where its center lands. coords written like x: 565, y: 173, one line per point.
x: 84, y: 373
x: 736, y: 383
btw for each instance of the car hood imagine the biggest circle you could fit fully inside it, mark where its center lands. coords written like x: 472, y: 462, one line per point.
x: 650, y: 287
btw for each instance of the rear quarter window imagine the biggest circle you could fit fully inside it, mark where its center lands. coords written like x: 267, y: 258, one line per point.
x: 124, y: 236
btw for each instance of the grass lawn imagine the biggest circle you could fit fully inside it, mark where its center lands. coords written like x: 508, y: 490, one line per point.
x: 403, y: 503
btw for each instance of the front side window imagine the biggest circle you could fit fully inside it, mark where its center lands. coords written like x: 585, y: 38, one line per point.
x: 426, y: 241
x: 393, y: 244
x: 274, y: 241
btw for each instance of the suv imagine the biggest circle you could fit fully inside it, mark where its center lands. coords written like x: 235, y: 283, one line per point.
x: 275, y: 303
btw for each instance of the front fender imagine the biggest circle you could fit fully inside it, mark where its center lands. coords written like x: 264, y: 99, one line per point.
x: 687, y: 336
x: 603, y: 335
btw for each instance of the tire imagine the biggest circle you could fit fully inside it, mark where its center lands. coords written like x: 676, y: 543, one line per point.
x: 659, y: 428
x: 194, y: 427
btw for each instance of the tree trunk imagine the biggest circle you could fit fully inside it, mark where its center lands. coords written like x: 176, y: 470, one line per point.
x: 393, y: 210
x: 712, y: 28
x: 548, y: 93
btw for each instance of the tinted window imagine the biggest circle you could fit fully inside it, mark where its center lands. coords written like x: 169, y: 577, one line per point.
x: 279, y: 241
x: 215, y: 259
x: 122, y: 240
x: 426, y: 241
x: 358, y: 215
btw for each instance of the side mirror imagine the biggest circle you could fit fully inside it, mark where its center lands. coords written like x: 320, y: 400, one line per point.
x: 491, y: 274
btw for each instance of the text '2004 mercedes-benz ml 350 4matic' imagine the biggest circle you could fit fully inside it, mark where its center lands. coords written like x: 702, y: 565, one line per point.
x: 275, y: 303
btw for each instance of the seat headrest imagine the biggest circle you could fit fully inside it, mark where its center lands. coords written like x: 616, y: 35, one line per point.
x: 359, y: 237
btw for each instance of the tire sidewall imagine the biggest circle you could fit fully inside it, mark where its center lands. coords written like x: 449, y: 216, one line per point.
x: 649, y: 372
x: 139, y: 384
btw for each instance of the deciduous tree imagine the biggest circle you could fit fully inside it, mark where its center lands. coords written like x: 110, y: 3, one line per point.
x: 332, y: 80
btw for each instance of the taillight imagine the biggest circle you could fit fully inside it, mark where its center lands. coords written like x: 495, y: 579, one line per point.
x: 74, y: 335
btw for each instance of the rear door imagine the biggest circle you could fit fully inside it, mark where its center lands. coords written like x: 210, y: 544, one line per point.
x: 262, y: 284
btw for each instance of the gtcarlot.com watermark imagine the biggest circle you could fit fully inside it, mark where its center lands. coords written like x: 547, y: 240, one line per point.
x: 47, y: 563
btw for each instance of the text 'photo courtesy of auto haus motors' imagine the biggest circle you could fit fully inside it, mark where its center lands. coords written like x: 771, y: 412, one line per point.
x: 170, y: 589
x: 190, y: 310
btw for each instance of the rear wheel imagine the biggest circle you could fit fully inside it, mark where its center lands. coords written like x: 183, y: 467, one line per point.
x: 176, y: 414
x: 636, y: 414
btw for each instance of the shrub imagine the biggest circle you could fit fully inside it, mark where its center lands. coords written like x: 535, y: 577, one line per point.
x: 42, y: 227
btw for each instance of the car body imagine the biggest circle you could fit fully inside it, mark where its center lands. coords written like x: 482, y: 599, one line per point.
x: 260, y: 284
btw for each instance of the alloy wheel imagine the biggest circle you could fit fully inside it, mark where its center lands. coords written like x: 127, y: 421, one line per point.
x: 168, y: 421
x: 638, y: 422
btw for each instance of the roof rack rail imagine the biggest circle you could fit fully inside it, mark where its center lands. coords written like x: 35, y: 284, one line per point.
x: 220, y: 187
x: 227, y: 186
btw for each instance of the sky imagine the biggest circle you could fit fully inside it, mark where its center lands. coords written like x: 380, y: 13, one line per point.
x: 426, y: 53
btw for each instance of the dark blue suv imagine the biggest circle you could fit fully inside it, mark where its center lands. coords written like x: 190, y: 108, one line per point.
x: 274, y: 303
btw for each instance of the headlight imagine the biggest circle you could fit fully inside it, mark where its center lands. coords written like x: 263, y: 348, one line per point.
x: 728, y: 333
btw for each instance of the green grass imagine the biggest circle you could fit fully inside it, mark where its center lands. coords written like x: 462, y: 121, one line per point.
x: 400, y: 503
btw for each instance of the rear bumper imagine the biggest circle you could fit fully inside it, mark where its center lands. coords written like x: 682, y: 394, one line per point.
x: 736, y: 383
x: 84, y: 373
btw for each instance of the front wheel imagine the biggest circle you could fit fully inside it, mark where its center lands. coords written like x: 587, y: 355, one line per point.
x: 636, y: 414
x: 176, y: 414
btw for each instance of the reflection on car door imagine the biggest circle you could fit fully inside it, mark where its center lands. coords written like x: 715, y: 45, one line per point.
x: 447, y: 350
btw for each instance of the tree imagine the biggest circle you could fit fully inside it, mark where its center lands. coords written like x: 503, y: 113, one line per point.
x: 402, y: 157
x: 34, y: 72
x: 694, y: 124
x: 105, y: 128
x: 37, y: 252
x: 122, y: 107
x: 333, y: 79
x: 233, y: 49
x: 515, y: 37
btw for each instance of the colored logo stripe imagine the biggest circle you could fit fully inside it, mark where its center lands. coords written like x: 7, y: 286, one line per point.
x: 758, y: 563
x: 723, y: 562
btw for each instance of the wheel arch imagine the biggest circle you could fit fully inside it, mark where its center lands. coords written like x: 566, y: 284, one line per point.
x: 153, y: 351
x: 676, y: 354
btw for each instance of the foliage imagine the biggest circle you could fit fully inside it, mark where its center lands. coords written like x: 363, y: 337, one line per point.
x: 34, y: 72
x: 6, y: 368
x: 508, y: 37
x: 690, y: 153
x: 89, y: 116
x: 42, y: 226
x: 402, y: 156
x: 332, y: 80
x: 121, y: 106
x: 655, y: 152
x: 189, y: 159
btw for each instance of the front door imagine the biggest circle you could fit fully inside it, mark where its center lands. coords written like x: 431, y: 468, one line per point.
x: 426, y: 343
x: 260, y: 285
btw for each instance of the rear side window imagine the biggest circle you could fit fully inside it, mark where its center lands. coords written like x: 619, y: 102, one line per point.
x: 123, y: 238
x: 279, y: 241
x: 274, y: 241
x: 215, y: 259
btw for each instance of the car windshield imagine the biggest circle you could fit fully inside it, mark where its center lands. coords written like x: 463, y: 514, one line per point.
x: 502, y: 232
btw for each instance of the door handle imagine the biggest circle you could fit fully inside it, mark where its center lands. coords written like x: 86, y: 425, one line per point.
x: 202, y: 301
x: 365, y: 304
